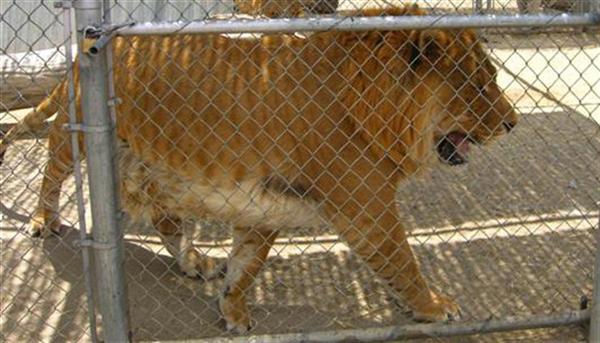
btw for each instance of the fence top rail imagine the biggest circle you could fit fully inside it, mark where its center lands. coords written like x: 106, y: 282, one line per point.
x: 238, y: 25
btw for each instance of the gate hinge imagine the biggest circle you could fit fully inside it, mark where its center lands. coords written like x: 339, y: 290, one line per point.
x: 102, y: 35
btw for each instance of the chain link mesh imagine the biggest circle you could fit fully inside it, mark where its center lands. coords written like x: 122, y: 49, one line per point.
x: 509, y: 234
x: 43, y: 292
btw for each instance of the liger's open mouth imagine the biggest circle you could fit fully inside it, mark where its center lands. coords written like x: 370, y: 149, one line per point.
x: 453, y: 148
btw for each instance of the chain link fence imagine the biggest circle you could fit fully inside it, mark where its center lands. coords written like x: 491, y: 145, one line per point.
x: 296, y: 170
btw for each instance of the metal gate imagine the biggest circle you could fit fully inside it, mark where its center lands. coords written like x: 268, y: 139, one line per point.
x: 273, y: 86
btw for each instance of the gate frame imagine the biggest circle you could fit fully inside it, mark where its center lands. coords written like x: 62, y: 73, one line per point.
x: 76, y: 155
x: 99, y: 136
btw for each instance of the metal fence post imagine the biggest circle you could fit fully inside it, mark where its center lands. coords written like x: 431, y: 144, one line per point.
x: 594, y: 6
x: 83, y: 232
x: 107, y: 236
x: 595, y: 311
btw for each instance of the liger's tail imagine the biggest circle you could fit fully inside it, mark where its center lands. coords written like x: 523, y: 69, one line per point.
x: 34, y: 121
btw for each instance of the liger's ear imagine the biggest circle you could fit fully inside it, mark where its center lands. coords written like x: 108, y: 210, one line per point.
x: 429, y: 47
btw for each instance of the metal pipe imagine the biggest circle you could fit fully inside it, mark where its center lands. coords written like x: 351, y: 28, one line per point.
x: 107, y: 236
x: 83, y: 234
x: 360, y: 23
x: 595, y: 311
x: 106, y: 5
x: 419, y: 330
x: 478, y: 6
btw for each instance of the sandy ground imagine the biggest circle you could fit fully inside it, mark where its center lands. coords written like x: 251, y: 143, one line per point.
x: 511, y: 233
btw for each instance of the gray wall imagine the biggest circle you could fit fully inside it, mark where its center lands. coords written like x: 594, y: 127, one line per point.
x: 27, y: 25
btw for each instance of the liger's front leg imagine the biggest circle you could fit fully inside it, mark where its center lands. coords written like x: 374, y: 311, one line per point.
x: 365, y: 217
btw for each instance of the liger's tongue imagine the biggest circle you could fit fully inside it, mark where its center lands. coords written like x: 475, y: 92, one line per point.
x: 460, y: 141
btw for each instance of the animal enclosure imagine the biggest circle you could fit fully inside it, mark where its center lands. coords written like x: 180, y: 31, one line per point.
x: 236, y: 170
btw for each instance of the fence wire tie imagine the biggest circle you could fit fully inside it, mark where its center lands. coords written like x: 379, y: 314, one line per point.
x: 87, y: 128
x: 90, y: 243
x: 112, y: 102
x: 64, y: 4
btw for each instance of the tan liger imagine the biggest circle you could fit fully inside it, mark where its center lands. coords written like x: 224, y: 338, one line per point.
x: 281, y: 132
x: 285, y: 8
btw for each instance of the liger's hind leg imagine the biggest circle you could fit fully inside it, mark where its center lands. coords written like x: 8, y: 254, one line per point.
x: 250, y: 250
x: 46, y: 220
x: 178, y: 235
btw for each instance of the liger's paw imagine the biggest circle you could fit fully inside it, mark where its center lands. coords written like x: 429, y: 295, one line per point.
x: 39, y: 228
x: 218, y: 272
x: 195, y: 265
x: 235, y: 313
x: 438, y: 308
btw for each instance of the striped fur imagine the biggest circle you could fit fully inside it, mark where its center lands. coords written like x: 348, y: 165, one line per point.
x: 281, y: 132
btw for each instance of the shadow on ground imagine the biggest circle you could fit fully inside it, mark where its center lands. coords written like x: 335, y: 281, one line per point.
x: 317, y: 291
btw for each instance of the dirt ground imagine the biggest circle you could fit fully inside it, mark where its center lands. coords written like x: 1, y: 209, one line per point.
x: 512, y: 233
